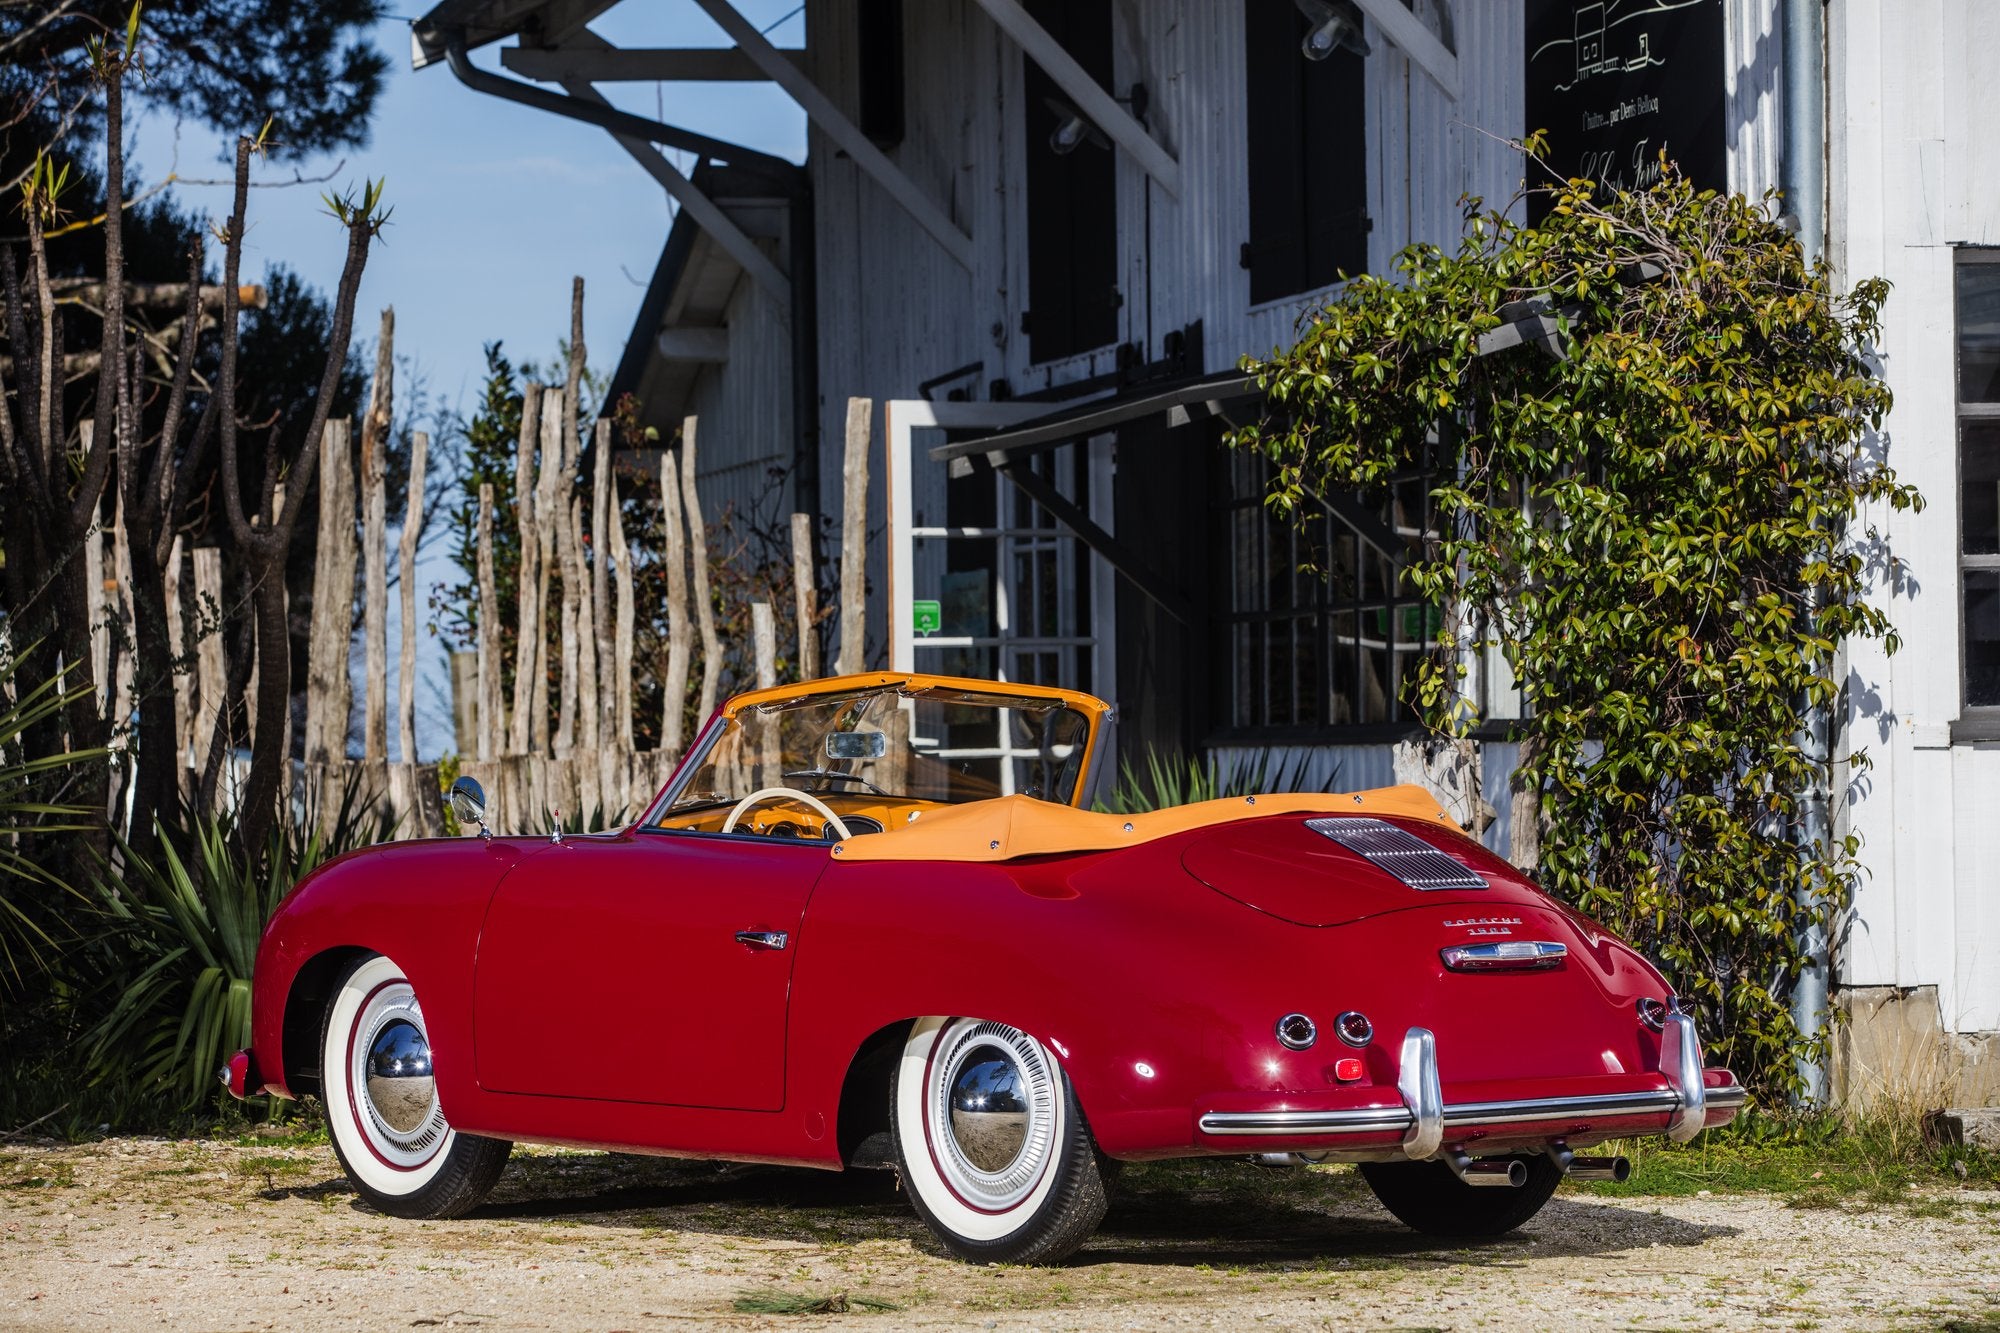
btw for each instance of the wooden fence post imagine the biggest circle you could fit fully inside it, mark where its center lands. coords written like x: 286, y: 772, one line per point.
x: 854, y: 539
x: 177, y: 647
x: 680, y: 631
x: 406, y: 581
x: 211, y: 675
x: 711, y: 647
x: 93, y: 577
x: 527, y: 585
x: 627, y: 613
x: 548, y: 522
x: 805, y: 596
x: 492, y: 724
x: 329, y: 692
x: 602, y: 554
x: 375, y: 543
x: 764, y: 653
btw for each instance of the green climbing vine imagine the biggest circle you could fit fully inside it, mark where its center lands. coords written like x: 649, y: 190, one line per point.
x: 1659, y: 518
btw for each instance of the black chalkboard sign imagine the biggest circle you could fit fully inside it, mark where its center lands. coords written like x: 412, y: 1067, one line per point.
x: 1614, y: 82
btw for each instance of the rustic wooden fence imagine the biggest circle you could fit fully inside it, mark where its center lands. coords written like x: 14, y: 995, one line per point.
x: 561, y: 746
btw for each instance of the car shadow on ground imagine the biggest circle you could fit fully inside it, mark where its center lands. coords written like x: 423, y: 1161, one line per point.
x: 1220, y: 1213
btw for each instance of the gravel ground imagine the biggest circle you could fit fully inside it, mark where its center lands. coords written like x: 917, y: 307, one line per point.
x: 207, y: 1234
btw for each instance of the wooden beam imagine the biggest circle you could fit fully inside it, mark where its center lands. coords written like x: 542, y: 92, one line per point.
x: 694, y: 344
x: 714, y: 64
x: 708, y: 215
x: 1088, y: 95
x: 819, y: 108
x: 1419, y: 43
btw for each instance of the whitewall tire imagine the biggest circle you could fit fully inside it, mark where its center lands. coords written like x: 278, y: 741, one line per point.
x: 381, y: 1103
x: 991, y: 1143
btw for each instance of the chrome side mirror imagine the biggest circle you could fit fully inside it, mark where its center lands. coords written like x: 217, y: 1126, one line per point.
x: 468, y: 802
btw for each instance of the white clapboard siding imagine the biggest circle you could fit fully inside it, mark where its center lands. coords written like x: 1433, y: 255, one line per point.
x: 1913, y: 175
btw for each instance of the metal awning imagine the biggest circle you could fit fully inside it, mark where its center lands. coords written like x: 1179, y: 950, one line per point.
x: 1211, y: 395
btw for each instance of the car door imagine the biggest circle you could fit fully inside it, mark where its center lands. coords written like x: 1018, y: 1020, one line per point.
x: 653, y: 967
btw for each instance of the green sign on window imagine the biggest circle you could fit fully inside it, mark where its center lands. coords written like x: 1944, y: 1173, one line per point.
x: 928, y: 617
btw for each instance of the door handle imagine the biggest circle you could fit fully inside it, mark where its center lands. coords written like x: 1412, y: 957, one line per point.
x: 763, y: 939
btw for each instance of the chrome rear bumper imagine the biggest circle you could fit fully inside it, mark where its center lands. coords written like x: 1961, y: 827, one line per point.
x: 1398, y: 1119
x: 1424, y: 1118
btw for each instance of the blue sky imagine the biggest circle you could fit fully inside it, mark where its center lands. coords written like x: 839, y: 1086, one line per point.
x: 496, y: 207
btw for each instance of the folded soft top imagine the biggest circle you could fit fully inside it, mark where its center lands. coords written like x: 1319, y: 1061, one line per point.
x: 1011, y: 826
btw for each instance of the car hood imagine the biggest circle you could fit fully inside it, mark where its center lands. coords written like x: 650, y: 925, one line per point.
x: 1285, y: 869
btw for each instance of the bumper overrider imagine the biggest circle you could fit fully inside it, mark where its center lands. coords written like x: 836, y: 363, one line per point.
x: 1422, y: 1125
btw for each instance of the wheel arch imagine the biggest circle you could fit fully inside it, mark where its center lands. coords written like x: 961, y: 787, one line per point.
x: 306, y: 1001
x: 864, y: 1090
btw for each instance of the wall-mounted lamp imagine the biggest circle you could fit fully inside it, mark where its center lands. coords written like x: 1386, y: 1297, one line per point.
x: 1335, y: 24
x: 1074, y: 129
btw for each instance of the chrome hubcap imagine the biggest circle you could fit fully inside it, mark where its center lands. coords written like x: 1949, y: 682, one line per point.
x: 391, y: 1082
x: 989, y: 1109
x: 400, y: 1088
x: 992, y: 1115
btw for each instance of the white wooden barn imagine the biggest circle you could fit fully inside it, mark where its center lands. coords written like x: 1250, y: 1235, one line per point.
x: 1040, y: 234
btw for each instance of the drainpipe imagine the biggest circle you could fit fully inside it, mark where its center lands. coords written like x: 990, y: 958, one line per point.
x: 596, y: 113
x: 1803, y: 180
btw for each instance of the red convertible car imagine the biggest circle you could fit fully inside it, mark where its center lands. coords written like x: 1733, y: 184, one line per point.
x: 867, y: 924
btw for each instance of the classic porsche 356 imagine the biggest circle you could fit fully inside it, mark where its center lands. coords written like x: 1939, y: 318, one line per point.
x: 866, y: 924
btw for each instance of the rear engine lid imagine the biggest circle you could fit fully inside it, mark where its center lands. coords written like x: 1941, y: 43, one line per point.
x: 1357, y: 867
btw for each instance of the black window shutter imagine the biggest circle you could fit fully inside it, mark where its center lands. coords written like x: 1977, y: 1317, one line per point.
x: 879, y: 26
x: 1072, y: 200
x: 1308, y: 169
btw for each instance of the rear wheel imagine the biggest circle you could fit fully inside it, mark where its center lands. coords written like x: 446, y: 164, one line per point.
x: 382, y: 1109
x: 1429, y: 1197
x: 992, y: 1144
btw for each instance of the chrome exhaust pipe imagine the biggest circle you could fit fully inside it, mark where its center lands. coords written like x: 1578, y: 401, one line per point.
x: 1281, y: 1161
x: 1618, y: 1170
x: 1489, y: 1172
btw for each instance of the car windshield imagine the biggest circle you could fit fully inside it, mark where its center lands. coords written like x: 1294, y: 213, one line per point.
x: 882, y: 755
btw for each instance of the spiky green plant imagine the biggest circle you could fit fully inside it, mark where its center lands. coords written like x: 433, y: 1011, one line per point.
x: 33, y: 805
x: 1186, y: 779
x: 183, y: 927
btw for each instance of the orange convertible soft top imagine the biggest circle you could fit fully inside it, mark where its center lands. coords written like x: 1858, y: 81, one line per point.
x: 1011, y: 826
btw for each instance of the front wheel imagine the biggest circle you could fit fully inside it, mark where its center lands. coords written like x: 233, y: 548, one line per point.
x: 381, y: 1101
x: 992, y: 1144
x: 1429, y: 1197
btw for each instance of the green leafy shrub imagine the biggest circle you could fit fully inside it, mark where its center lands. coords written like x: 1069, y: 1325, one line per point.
x: 1654, y: 526
x: 179, y: 944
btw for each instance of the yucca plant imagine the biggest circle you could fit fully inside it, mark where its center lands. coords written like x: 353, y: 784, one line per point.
x: 1186, y: 779
x: 32, y: 807
x: 184, y: 925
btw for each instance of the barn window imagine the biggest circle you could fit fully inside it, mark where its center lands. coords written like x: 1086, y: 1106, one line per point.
x: 1319, y: 627
x: 1978, y: 292
x: 1308, y: 172
x: 1073, y: 295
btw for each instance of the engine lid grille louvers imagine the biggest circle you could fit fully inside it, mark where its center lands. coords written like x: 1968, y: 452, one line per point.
x: 1398, y: 851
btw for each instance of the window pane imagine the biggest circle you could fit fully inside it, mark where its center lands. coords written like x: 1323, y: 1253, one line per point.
x: 1982, y: 637
x: 1979, y: 487
x: 1979, y: 333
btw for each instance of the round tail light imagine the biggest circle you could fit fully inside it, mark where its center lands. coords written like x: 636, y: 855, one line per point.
x: 1354, y: 1028
x: 1297, y: 1032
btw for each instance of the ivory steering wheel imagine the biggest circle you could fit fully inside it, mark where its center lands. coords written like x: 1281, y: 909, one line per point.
x: 788, y: 793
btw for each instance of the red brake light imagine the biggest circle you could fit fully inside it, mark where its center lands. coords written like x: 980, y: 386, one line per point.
x: 1349, y: 1068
